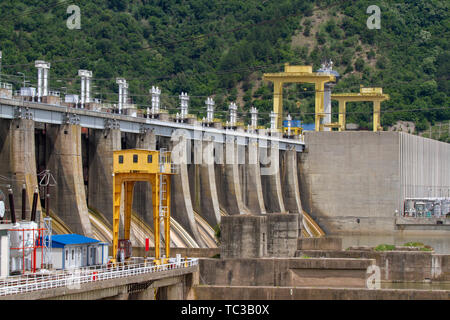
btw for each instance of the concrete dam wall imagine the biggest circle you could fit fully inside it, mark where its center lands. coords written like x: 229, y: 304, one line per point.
x: 80, y: 159
x: 353, y: 182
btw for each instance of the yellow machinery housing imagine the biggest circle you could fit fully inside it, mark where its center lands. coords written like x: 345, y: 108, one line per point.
x: 131, y: 166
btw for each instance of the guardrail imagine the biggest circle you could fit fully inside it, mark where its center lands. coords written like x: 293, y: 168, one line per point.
x: 72, y: 279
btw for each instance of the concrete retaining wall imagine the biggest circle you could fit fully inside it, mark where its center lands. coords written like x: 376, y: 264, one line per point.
x: 325, y: 243
x: 352, y: 182
x: 291, y: 293
x: 285, y: 272
x: 396, y: 265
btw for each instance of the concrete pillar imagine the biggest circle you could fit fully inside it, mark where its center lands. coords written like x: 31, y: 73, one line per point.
x: 102, y: 143
x: 175, y: 292
x: 291, y: 191
x: 254, y: 193
x: 271, y: 181
x: 243, y: 236
x: 233, y: 202
x: 18, y: 159
x: 68, y: 198
x: 182, y: 209
x: 209, y: 201
x: 282, y: 234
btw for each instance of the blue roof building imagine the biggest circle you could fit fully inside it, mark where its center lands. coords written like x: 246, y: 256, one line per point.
x: 76, y: 251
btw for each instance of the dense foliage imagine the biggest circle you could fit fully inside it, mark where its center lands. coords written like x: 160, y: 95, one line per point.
x: 222, y: 48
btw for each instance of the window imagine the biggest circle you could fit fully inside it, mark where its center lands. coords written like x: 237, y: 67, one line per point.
x: 67, y: 255
x: 73, y: 252
x: 135, y: 158
x: 149, y: 158
x: 120, y: 159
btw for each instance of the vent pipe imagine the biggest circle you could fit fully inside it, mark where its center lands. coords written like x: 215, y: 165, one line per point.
x: 86, y: 76
x: 184, y: 103
x: 122, y: 92
x: 43, y: 68
x: 11, y: 206
x: 289, y: 122
x: 233, y: 114
x: 254, y: 118
x: 34, y: 206
x: 273, y: 121
x: 156, y: 93
x: 209, y: 109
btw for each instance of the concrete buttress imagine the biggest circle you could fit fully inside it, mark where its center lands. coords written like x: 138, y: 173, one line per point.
x: 254, y: 193
x: 18, y: 160
x: 68, y: 198
x: 102, y: 143
x: 271, y: 181
x: 209, y: 203
x: 289, y: 179
x: 233, y: 201
x: 182, y: 209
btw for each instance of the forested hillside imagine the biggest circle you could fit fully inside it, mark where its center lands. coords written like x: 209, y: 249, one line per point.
x: 222, y: 48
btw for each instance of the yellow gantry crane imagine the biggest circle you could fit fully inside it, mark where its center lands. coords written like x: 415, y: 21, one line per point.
x: 299, y: 74
x: 131, y: 166
x: 374, y: 95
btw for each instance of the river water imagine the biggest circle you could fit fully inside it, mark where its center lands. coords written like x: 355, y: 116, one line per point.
x: 440, y: 244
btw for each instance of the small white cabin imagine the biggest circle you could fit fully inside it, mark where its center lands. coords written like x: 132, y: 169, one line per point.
x: 76, y: 251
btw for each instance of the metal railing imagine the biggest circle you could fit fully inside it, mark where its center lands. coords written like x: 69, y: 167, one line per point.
x: 72, y: 279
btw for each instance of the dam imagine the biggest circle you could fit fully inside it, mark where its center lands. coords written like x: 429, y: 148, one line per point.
x: 318, y: 183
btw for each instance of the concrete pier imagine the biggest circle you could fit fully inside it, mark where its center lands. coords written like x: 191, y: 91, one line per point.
x: 231, y: 195
x: 289, y: 181
x: 209, y: 203
x: 182, y: 210
x: 102, y: 143
x: 253, y: 190
x: 18, y: 159
x: 68, y: 199
x: 271, y: 180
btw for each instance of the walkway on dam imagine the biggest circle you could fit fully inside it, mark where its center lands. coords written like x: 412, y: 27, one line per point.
x: 74, y: 278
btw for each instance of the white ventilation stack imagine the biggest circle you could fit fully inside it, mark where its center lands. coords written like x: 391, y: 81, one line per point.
x: 289, y: 124
x: 184, y: 103
x: 327, y: 68
x: 233, y: 114
x: 254, y: 118
x: 273, y: 121
x: 209, y: 109
x: 156, y: 94
x: 85, y: 86
x: 43, y: 68
x: 122, y: 92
